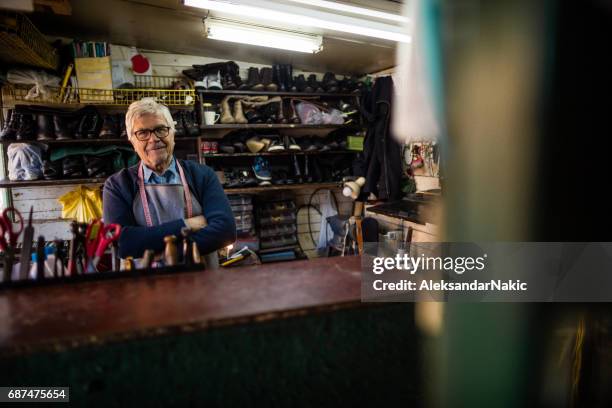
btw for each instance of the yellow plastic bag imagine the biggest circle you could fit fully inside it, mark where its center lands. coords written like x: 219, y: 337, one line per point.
x: 83, y: 204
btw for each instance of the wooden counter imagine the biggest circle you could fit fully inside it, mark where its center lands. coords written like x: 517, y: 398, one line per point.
x: 56, y: 318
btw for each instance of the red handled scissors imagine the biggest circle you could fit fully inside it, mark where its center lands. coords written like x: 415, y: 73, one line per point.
x: 105, y: 235
x: 9, y: 246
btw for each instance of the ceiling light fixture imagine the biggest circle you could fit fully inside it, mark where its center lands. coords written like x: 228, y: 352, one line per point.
x: 239, y: 32
x: 332, y: 5
x: 303, y: 17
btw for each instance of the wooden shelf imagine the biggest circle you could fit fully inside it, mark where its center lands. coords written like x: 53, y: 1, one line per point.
x: 89, y: 141
x: 237, y: 92
x: 276, y: 187
x: 48, y: 183
x: 282, y: 153
x: 268, y: 126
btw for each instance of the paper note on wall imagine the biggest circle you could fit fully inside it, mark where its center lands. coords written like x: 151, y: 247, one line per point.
x: 95, y: 79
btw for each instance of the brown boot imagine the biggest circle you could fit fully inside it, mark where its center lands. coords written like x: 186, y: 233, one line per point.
x: 226, y: 112
x: 238, y: 113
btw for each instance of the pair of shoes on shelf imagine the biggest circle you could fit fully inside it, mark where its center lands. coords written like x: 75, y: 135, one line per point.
x: 259, y: 80
x: 113, y: 127
x: 185, y: 124
x: 239, y: 177
x: 18, y: 126
x: 272, y: 144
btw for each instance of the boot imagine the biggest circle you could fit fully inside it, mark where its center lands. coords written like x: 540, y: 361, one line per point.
x: 45, y: 127
x: 288, y: 74
x: 179, y: 128
x: 294, y: 116
x: 307, y: 178
x: 214, y: 81
x: 300, y: 84
x: 316, y: 174
x: 62, y: 131
x: 122, y: 130
x: 82, y: 126
x: 229, y: 83
x: 297, y: 173
x: 238, y: 112
x: 254, y: 81
x: 110, y: 129
x: 312, y: 83
x: 190, y: 124
x: 280, y: 117
x: 25, y: 127
x: 278, y: 77
x: 266, y: 79
x: 226, y: 112
x: 10, y: 126
x: 92, y: 131
x: 330, y: 83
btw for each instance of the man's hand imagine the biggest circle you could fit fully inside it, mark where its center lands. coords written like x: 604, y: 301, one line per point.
x: 196, y: 223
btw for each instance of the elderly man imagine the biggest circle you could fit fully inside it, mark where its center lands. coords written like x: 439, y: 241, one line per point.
x: 161, y: 195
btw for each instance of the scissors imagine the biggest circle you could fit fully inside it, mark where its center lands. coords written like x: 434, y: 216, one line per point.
x: 105, y: 236
x: 9, y: 247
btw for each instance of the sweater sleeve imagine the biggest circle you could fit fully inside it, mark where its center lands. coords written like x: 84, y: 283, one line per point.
x: 221, y: 228
x: 134, y: 239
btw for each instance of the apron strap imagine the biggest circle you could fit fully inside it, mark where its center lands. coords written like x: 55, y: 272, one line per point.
x: 143, y: 194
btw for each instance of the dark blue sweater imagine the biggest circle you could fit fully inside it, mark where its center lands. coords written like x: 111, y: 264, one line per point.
x: 121, y: 188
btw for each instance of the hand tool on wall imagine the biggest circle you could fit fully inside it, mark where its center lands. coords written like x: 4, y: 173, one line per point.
x: 26, y: 248
x: 40, y: 258
x: 9, y: 246
x: 170, y: 252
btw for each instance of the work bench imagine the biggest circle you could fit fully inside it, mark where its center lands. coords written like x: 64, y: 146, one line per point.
x: 292, y: 333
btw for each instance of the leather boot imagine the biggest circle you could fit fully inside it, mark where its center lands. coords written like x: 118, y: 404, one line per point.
x: 226, y: 112
x: 122, y: 130
x: 266, y: 79
x: 330, y: 83
x: 229, y: 83
x: 45, y: 127
x: 110, y: 128
x: 278, y: 77
x: 312, y: 83
x: 10, y: 126
x: 297, y: 173
x: 190, y: 124
x: 239, y: 113
x: 179, y: 127
x: 300, y: 84
x: 92, y: 130
x: 307, y: 178
x: 255, y: 80
x: 287, y: 71
x: 81, y: 129
x: 25, y: 130
x: 294, y: 116
x: 61, y: 128
x: 280, y: 117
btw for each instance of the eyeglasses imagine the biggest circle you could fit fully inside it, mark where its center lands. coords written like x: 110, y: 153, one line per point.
x: 144, y: 134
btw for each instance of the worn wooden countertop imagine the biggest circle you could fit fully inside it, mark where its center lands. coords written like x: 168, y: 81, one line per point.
x: 60, y: 317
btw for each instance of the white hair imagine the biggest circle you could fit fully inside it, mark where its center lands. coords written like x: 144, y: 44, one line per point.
x: 146, y: 106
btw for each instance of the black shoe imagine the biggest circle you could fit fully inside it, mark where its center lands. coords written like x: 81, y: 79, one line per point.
x: 254, y: 80
x: 72, y: 167
x: 10, y: 126
x: 253, y: 116
x: 179, y: 127
x: 278, y: 77
x: 92, y: 130
x: 317, y: 175
x: 313, y: 84
x: 45, y: 127
x: 267, y: 79
x: 97, y: 167
x: 287, y: 71
x: 110, y: 128
x: 81, y: 129
x: 330, y: 83
x: 276, y: 146
x: 25, y: 127
x: 122, y: 130
x: 290, y: 144
x: 300, y: 84
x: 297, y: 172
x: 52, y: 170
x: 306, y: 177
x: 306, y: 144
x: 191, y: 126
x: 61, y: 128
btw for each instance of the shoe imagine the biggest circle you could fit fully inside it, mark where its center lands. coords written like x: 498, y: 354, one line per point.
x: 267, y: 79
x: 191, y: 127
x: 61, y: 129
x: 9, y: 130
x: 306, y: 177
x: 179, y: 127
x: 229, y: 82
x: 239, y: 113
x: 276, y: 145
x: 213, y: 81
x: 110, y: 128
x: 45, y: 127
x: 82, y: 126
x: 253, y: 116
x: 261, y: 168
x: 330, y: 83
x: 278, y: 77
x: 300, y: 84
x: 297, y: 172
x: 294, y: 116
x: 255, y: 145
x: 122, y: 130
x: 316, y: 174
x: 254, y: 81
x: 92, y: 130
x: 306, y: 144
x: 290, y: 144
x: 97, y: 167
x: 25, y: 127
x: 313, y: 84
x: 287, y: 71
x: 52, y: 170
x: 200, y: 82
x: 226, y: 112
x: 72, y: 167
x: 280, y: 116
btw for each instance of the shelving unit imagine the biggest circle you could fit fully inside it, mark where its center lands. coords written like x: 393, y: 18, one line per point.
x: 267, y: 126
x: 281, y: 153
x: 297, y: 94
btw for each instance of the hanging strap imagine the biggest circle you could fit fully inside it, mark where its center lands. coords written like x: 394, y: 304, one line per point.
x: 143, y: 194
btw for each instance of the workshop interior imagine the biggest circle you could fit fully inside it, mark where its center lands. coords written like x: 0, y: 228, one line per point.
x: 295, y: 132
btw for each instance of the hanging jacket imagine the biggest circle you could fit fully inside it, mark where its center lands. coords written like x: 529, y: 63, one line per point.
x: 382, y: 153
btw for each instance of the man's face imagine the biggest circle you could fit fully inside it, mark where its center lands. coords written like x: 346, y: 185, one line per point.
x: 154, y: 152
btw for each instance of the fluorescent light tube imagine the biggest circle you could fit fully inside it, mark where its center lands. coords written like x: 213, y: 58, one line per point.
x: 303, y: 17
x: 225, y: 30
x: 332, y: 5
